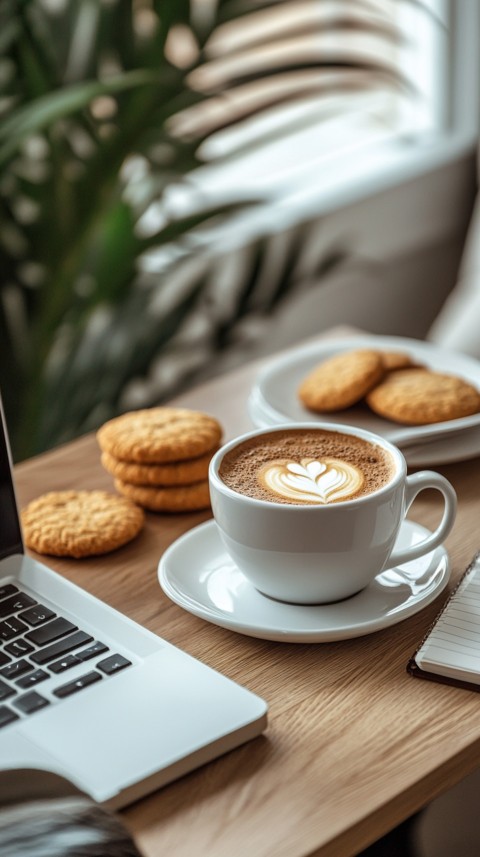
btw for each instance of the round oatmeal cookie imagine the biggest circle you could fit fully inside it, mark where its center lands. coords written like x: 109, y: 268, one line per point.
x: 172, y: 473
x: 80, y: 523
x: 182, y: 498
x: 421, y: 396
x: 341, y: 380
x: 159, y: 435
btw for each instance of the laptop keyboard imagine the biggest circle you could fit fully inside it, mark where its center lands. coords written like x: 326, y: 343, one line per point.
x: 37, y: 646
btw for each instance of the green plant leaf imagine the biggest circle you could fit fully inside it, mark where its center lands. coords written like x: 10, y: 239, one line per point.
x: 43, y: 112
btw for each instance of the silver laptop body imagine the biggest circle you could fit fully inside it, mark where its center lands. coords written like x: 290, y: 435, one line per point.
x: 91, y: 695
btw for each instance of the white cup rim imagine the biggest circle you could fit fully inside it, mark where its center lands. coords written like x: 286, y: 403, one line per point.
x: 364, y: 434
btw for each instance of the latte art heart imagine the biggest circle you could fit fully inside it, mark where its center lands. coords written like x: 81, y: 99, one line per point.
x: 313, y: 481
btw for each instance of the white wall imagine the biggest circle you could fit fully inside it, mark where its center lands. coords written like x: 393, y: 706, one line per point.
x: 406, y: 244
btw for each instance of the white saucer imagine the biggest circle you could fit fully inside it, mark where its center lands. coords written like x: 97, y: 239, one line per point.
x: 198, y: 575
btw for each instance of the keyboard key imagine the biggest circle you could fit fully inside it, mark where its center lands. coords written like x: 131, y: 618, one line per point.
x: 97, y: 649
x: 52, y: 631
x: 19, y: 648
x: 78, y: 684
x: 33, y: 678
x: 16, y: 603
x: 7, y: 589
x: 6, y: 690
x: 113, y: 664
x: 16, y: 669
x: 31, y: 702
x: 4, y: 659
x: 37, y: 615
x: 7, y: 716
x: 66, y: 663
x: 74, y: 641
x: 12, y: 628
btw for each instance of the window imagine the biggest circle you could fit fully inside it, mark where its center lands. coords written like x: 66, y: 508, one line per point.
x: 315, y: 103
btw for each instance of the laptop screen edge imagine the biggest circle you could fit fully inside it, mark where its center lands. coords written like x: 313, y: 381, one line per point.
x: 11, y: 539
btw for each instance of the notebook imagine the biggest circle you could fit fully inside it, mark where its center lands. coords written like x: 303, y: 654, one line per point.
x: 92, y: 696
x: 450, y: 652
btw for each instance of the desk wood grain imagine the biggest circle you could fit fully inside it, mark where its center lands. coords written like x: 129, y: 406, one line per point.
x: 354, y: 745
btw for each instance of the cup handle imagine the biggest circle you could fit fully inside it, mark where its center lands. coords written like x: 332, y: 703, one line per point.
x: 414, y: 484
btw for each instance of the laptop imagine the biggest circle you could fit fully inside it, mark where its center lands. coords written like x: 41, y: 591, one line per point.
x: 91, y: 696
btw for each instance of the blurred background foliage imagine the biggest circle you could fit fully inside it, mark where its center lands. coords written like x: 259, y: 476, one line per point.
x: 105, y: 243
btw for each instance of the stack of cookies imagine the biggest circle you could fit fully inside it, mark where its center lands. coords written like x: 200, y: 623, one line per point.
x: 391, y: 384
x: 159, y: 457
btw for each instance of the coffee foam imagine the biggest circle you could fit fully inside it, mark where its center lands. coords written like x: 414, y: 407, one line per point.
x: 312, y: 481
x: 299, y: 466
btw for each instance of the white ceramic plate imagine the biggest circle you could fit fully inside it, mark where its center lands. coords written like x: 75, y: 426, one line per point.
x: 273, y: 399
x: 444, y: 450
x: 198, y: 575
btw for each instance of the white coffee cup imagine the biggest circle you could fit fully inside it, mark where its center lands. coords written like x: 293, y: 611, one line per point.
x: 315, y: 553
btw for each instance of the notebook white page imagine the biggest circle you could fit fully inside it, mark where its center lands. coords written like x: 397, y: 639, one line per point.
x: 452, y: 648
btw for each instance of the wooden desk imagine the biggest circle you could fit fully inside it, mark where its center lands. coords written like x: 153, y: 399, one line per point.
x: 354, y: 744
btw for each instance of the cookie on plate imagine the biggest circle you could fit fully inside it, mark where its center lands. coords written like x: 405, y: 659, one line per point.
x: 421, y: 396
x: 159, y: 435
x: 80, y: 523
x: 342, y: 380
x: 179, y: 498
x: 172, y: 473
